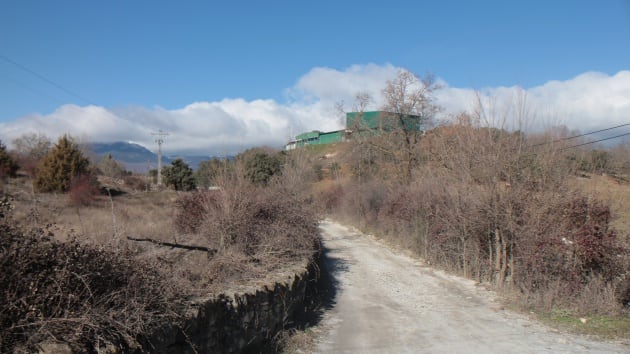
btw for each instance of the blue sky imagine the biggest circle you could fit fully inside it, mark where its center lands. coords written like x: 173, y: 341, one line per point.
x: 146, y: 63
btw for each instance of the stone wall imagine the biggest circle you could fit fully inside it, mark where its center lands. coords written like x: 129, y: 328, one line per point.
x: 240, y: 323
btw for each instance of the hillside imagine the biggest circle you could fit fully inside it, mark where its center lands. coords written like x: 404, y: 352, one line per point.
x: 139, y: 159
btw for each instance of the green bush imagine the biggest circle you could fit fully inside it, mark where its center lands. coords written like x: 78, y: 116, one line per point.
x: 63, y: 163
x: 261, y: 167
x: 179, y: 175
x: 8, y: 166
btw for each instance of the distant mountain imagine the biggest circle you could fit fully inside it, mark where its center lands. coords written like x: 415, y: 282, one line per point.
x: 127, y: 152
x: 139, y: 159
x: 192, y: 160
x: 135, y: 157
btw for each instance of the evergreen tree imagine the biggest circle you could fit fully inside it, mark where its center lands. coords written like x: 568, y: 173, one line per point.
x: 179, y: 175
x: 62, y: 164
x: 260, y: 167
x: 208, y: 171
x: 8, y: 166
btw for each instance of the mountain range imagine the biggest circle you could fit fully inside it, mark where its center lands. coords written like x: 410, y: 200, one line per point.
x: 138, y: 158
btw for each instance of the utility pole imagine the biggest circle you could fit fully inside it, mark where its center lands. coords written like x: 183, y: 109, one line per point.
x: 159, y: 140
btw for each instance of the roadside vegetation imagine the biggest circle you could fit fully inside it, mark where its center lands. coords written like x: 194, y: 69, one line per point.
x: 480, y: 197
x: 86, y: 245
x: 93, y: 257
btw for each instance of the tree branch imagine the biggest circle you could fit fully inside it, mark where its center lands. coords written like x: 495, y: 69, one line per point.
x: 174, y: 245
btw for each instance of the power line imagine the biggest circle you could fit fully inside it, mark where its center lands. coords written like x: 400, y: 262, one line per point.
x: 43, y: 78
x: 593, y: 142
x: 27, y: 87
x: 581, y: 135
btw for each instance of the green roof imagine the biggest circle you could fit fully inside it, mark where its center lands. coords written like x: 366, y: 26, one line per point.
x: 310, y: 135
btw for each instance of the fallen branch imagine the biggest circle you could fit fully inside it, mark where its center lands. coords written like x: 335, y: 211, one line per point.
x: 174, y: 245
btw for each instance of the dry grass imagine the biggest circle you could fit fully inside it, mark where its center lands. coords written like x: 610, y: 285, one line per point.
x: 110, y: 220
x: 148, y: 214
x: 613, y: 191
x: 296, y: 341
x: 272, y: 236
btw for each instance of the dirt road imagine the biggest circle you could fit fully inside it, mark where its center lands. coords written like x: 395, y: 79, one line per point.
x: 386, y: 302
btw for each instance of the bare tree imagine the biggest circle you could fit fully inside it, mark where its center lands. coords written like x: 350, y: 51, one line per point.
x: 410, y: 107
x: 32, y: 145
x: 31, y: 149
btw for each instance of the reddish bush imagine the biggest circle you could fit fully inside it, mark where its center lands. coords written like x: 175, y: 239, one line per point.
x: 330, y: 197
x: 83, y: 190
x: 193, y: 208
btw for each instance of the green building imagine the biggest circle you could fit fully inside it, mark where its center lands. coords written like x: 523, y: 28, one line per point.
x: 374, y: 122
x: 316, y: 138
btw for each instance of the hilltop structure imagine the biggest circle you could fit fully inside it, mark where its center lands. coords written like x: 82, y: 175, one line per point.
x: 364, y: 123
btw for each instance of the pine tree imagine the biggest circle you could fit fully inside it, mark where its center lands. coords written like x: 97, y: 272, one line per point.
x: 8, y: 166
x: 63, y: 163
x: 260, y: 167
x: 179, y: 175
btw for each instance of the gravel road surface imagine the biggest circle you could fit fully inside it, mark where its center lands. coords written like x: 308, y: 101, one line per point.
x: 387, y: 302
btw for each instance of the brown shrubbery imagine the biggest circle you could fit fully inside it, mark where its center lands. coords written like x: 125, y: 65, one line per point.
x: 121, y: 270
x: 494, y: 206
x: 253, y: 229
x: 90, y: 297
x: 83, y: 190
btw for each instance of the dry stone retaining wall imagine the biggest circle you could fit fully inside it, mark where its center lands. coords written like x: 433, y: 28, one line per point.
x: 242, y: 323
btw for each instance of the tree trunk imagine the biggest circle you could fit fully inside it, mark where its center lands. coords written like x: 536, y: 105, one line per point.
x: 504, y: 262
x: 498, y: 257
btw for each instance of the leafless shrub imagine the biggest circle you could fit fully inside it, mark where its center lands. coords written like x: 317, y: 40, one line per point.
x: 363, y: 202
x: 597, y: 296
x: 295, y: 341
x: 137, y: 183
x: 492, y: 205
x: 253, y: 228
x: 73, y: 293
x: 192, y: 209
x: 328, y: 196
x: 83, y: 190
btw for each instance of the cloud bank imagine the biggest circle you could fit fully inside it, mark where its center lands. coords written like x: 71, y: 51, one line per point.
x: 587, y: 102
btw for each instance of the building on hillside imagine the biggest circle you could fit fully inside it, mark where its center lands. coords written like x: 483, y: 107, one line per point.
x: 374, y: 122
x: 316, y: 138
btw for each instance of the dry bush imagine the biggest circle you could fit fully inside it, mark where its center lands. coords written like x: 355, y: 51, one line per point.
x: 252, y: 229
x: 137, y: 183
x: 491, y: 205
x: 192, y: 209
x: 597, y: 296
x: 363, y: 202
x: 262, y: 229
x: 295, y: 341
x: 87, y: 296
x: 83, y: 190
x: 328, y: 196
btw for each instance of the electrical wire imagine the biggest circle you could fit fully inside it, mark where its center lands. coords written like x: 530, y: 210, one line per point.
x: 43, y: 78
x: 581, y: 135
x: 593, y: 142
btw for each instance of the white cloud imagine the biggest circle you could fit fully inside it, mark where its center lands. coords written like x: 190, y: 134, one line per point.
x: 330, y: 85
x: 587, y: 102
